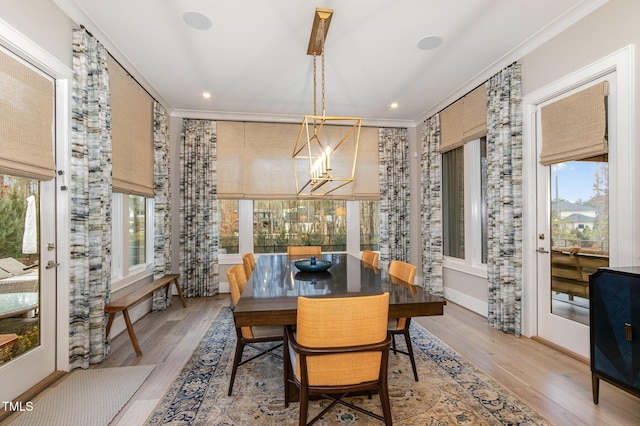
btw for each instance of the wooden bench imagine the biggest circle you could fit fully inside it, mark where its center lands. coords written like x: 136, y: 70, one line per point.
x: 7, y: 339
x: 125, y: 302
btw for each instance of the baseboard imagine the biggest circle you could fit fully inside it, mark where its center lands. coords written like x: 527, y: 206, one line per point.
x: 466, y: 301
x: 561, y: 349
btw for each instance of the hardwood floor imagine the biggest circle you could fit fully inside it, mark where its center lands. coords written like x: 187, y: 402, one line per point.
x: 167, y: 340
x: 553, y: 383
x: 556, y: 385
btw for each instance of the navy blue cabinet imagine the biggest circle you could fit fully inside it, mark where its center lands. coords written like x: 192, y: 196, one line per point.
x: 615, y: 328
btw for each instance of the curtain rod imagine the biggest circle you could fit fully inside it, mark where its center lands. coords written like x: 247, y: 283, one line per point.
x: 121, y: 66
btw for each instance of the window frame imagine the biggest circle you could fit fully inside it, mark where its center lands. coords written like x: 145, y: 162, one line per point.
x: 245, y: 232
x: 472, y: 262
x: 123, y: 274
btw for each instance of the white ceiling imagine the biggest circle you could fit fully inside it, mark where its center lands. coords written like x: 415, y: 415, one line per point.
x: 253, y: 59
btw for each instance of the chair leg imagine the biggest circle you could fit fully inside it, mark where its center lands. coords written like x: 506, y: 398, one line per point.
x: 407, y: 339
x: 386, y: 405
x: 287, y: 369
x: 393, y: 343
x: 304, y: 406
x: 236, y: 361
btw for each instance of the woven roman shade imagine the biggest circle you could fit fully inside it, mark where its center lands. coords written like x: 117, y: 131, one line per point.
x: 474, y: 119
x: 451, y: 128
x: 575, y: 127
x: 254, y: 161
x: 230, y: 154
x: 464, y: 120
x: 132, y: 133
x: 268, y: 173
x: 367, y: 184
x: 27, y: 114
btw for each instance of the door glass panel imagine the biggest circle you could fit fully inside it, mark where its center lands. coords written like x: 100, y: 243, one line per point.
x: 579, y: 233
x: 19, y: 260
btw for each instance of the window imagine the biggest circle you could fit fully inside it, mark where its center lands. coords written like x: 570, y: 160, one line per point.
x: 370, y: 225
x: 137, y: 230
x: 132, y: 238
x: 228, y: 225
x: 278, y: 224
x: 269, y: 226
x: 484, y: 167
x: 464, y: 213
x: 453, y: 202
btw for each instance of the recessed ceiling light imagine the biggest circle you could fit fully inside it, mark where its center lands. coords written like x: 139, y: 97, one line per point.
x: 393, y: 105
x: 197, y: 20
x: 206, y: 95
x: 429, y: 42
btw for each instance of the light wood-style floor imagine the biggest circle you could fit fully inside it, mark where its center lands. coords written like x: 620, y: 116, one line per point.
x: 554, y: 384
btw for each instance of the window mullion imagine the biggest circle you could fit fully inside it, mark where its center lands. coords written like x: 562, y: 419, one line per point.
x: 245, y: 226
x: 353, y: 227
x: 470, y: 202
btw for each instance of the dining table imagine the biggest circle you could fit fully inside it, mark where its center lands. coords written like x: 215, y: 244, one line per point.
x: 273, y: 288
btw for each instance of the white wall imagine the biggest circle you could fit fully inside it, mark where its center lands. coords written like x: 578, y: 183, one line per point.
x: 43, y: 23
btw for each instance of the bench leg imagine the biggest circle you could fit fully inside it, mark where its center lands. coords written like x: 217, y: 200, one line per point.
x: 132, y: 335
x: 184, y: 303
x: 109, y: 324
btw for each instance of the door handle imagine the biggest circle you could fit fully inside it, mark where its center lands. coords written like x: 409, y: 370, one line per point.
x: 52, y: 264
x: 542, y: 250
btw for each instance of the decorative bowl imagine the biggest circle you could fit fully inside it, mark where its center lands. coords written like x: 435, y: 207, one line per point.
x: 313, y: 265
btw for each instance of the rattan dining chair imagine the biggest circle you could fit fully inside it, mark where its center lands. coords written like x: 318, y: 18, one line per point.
x: 407, y: 273
x: 370, y: 257
x: 339, y: 346
x: 249, y: 263
x: 249, y: 336
x: 298, y: 251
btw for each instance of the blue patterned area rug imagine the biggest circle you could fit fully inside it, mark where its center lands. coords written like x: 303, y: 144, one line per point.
x: 451, y: 391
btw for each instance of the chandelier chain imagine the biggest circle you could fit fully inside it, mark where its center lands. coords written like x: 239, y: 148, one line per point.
x: 323, y: 39
x: 315, y: 90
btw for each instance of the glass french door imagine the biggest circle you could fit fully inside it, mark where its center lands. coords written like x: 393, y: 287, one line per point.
x: 572, y: 241
x: 27, y: 283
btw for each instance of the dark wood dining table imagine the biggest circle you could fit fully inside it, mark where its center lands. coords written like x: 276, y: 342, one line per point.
x: 271, y: 294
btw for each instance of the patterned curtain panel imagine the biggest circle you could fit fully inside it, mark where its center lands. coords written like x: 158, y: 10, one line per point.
x: 431, y: 207
x: 393, y: 151
x: 162, y: 202
x: 90, y: 190
x: 504, y: 199
x: 198, y: 209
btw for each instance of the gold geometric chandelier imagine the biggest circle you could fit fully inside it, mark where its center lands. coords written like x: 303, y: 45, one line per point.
x: 324, y: 157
